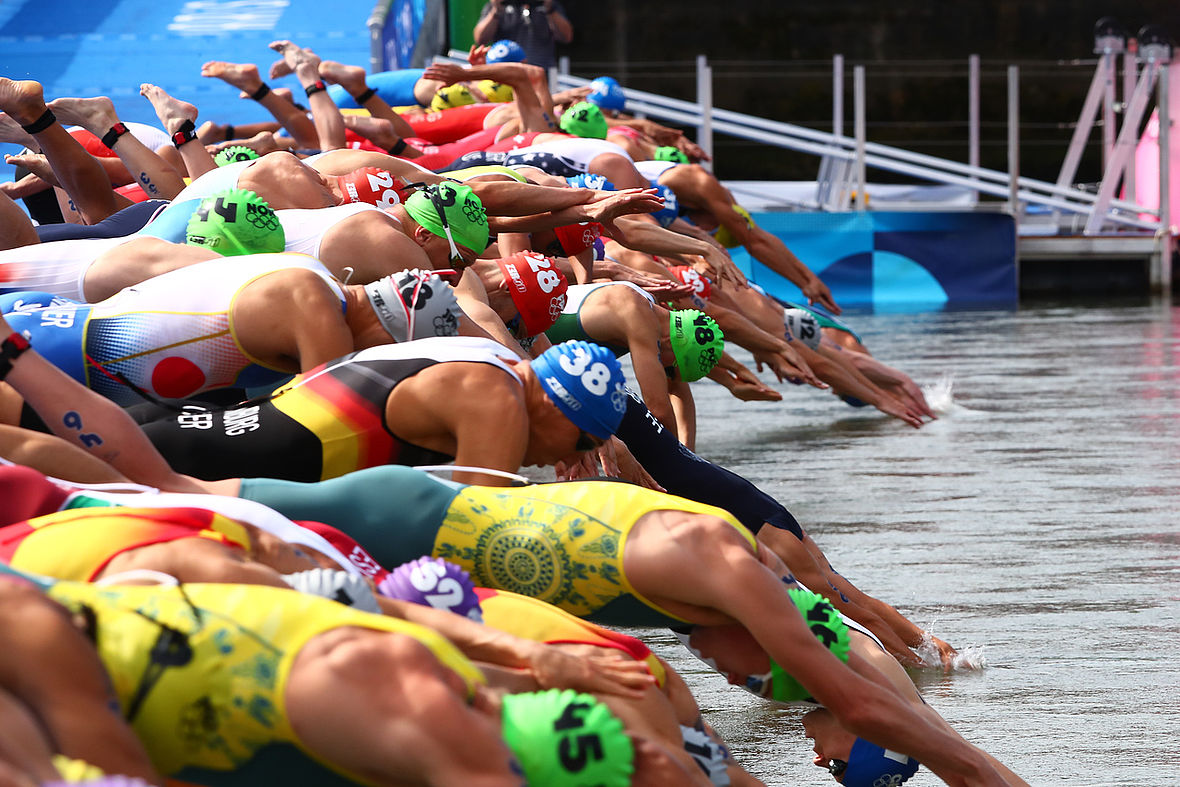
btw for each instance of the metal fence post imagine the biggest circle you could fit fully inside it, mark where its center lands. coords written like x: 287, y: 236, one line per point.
x: 705, y: 99
x: 858, y: 100
x: 838, y: 95
x: 1014, y: 142
x: 973, y: 110
x: 1165, y: 278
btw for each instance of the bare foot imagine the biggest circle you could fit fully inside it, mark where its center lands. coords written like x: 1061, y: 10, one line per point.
x: 243, y: 76
x: 261, y: 143
x: 211, y: 133
x: 96, y: 114
x: 351, y: 78
x: 294, y: 58
x: 172, y: 112
x: 24, y: 101
x: 35, y: 163
x: 379, y: 131
x: 10, y: 131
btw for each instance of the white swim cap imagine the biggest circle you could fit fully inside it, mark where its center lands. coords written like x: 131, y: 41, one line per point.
x: 415, y: 304
x: 803, y: 326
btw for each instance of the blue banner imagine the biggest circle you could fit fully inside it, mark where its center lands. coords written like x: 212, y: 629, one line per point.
x: 401, y: 32
x: 913, y: 261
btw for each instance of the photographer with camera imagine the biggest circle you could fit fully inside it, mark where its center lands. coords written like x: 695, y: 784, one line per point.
x: 537, y: 25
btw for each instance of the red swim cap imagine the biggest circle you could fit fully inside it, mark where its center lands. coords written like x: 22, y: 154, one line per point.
x: 348, y: 546
x: 576, y: 238
x: 27, y: 493
x: 373, y: 185
x: 537, y: 288
x: 701, y: 287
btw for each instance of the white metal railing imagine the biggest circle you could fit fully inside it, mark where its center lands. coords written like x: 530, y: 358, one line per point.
x: 843, y: 159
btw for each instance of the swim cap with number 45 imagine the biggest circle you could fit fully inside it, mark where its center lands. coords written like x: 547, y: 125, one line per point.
x: 566, y: 739
x: 586, y: 383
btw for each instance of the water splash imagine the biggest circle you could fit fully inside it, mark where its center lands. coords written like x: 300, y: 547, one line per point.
x: 969, y: 657
x: 940, y: 395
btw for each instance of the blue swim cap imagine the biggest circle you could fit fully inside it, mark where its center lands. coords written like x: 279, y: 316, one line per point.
x: 586, y: 383
x: 607, y: 94
x: 588, y: 180
x: 671, y: 210
x: 505, y: 51
x: 870, y: 765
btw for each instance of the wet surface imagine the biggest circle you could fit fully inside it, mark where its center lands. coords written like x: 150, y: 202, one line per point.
x: 1035, y: 525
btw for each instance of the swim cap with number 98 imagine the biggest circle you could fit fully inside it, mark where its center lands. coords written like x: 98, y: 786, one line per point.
x: 566, y: 739
x: 697, y: 342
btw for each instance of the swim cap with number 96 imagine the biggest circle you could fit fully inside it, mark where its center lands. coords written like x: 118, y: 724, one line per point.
x: 566, y: 739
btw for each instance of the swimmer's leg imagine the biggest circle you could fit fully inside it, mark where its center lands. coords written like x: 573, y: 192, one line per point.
x: 244, y: 76
x: 305, y: 64
x: 77, y: 171
x: 352, y: 79
x: 174, y: 114
x: 97, y: 115
x: 16, y: 229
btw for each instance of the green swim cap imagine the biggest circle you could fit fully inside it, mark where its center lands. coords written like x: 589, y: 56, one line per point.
x: 234, y: 153
x: 464, y: 213
x: 584, y: 120
x: 669, y: 153
x: 827, y: 626
x: 233, y: 222
x: 697, y: 342
x: 566, y: 739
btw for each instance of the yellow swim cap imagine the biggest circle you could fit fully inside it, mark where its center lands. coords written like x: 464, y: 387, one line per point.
x: 724, y: 236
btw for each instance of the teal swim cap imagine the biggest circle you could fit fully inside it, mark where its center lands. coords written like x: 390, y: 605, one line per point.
x: 234, y: 153
x: 235, y: 222
x: 451, y: 206
x: 827, y: 626
x: 584, y: 120
x: 669, y: 153
x: 566, y: 739
x: 586, y: 383
x: 697, y: 342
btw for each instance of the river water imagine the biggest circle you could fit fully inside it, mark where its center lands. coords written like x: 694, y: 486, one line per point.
x: 1035, y: 526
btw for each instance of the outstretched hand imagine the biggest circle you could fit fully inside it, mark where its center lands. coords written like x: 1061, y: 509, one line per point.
x: 612, y: 204
x: 817, y: 292
x: 553, y: 668
x: 478, y: 54
x: 447, y: 73
x: 787, y: 365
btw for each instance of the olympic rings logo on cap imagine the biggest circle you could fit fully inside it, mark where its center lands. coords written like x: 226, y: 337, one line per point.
x: 556, y: 306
